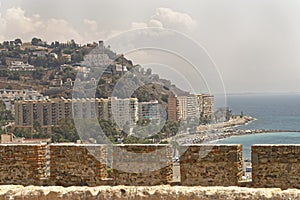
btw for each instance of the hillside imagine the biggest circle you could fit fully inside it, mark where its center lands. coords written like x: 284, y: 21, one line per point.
x: 57, y: 63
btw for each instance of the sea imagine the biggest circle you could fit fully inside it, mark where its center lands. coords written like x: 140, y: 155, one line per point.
x: 272, y: 112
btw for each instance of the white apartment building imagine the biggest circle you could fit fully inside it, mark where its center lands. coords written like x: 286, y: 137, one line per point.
x: 9, y: 96
x: 20, y: 66
x: 151, y: 110
x: 205, y: 104
x: 124, y: 111
x: 187, y: 107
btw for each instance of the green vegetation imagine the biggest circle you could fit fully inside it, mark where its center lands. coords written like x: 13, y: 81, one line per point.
x: 56, y: 62
x: 5, y: 115
x: 222, y: 114
x: 66, y: 131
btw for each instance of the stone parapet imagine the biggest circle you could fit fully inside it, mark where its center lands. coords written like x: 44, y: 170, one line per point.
x: 142, y: 164
x: 147, y: 165
x: 145, y: 193
x: 276, y: 166
x: 22, y: 164
x: 78, y: 165
x: 211, y: 165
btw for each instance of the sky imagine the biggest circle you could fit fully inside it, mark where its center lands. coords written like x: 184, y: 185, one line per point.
x: 253, y: 45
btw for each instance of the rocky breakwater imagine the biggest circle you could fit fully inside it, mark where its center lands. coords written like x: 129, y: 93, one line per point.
x: 234, y: 121
x: 142, y: 192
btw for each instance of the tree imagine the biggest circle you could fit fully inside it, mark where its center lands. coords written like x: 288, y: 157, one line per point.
x: 56, y: 44
x: 65, y: 131
x: 136, y: 140
x: 37, y: 128
x: 14, y: 76
x: 57, y: 50
x: 18, y: 41
x: 39, y: 61
x: 3, y: 73
x: 36, y: 41
x: 242, y: 114
x: 21, y: 132
x: 110, y: 129
x: 204, y: 119
x: 77, y: 57
x: 9, y: 87
x: 6, y: 44
x: 38, y: 74
x: 67, y: 51
x: 73, y: 44
x: 2, y: 106
x: 228, y: 114
x: 170, y: 128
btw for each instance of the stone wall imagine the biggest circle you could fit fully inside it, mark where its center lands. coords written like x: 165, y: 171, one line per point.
x: 211, y: 165
x: 145, y: 193
x: 22, y: 164
x: 148, y: 165
x: 276, y: 166
x: 76, y: 165
x: 142, y: 164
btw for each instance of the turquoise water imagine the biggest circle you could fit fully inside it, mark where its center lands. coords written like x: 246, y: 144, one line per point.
x: 273, y: 112
x: 265, y: 138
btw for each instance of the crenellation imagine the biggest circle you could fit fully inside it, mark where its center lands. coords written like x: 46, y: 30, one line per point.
x: 211, y: 165
x: 76, y: 165
x: 147, y: 165
x: 276, y: 166
x: 142, y: 164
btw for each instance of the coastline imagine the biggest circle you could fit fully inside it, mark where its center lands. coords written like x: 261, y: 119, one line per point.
x: 212, y: 132
x: 215, y: 132
x: 233, y: 122
x: 226, y: 132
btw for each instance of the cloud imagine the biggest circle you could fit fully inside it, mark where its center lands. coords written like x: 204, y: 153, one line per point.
x: 136, y: 25
x: 59, y: 29
x: 91, y: 24
x: 168, y: 18
x: 2, y: 24
x: 155, y: 23
x: 17, y: 21
x: 175, y: 20
x: 16, y: 24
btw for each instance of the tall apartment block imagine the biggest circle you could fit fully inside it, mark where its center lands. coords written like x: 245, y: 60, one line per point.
x: 187, y: 107
x: 49, y: 112
x: 192, y: 108
x: 172, y: 109
x: 182, y: 107
x: 206, y: 104
x: 151, y: 110
x: 124, y: 111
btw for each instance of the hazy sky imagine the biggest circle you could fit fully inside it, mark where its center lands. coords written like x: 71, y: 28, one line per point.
x: 254, y: 43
